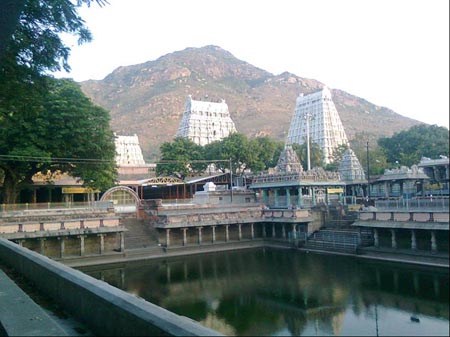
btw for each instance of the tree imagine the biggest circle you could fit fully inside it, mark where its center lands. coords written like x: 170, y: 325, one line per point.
x: 59, y: 131
x: 181, y: 155
x: 316, y: 154
x: 336, y: 158
x: 409, y: 146
x: 14, y: 13
x: 265, y: 153
x: 31, y: 103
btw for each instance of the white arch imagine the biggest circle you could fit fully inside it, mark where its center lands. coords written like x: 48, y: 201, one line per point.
x: 130, y: 191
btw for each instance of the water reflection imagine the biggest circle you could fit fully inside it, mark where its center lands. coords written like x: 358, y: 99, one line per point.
x: 278, y: 292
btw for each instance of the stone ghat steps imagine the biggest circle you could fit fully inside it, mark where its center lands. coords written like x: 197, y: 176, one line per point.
x: 139, y: 234
x: 330, y: 246
x: 345, y: 240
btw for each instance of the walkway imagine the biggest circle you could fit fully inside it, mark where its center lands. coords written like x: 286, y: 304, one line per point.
x: 21, y: 316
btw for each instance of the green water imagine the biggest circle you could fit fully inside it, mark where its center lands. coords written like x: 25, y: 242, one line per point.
x: 283, y: 293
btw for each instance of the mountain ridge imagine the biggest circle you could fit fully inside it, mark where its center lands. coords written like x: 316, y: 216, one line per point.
x: 148, y: 98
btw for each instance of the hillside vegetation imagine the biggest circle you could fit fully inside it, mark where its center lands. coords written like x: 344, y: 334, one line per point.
x: 148, y: 99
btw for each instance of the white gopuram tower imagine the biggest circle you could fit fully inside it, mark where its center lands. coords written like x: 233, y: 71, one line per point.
x: 317, y: 113
x: 205, y: 122
x: 128, y: 151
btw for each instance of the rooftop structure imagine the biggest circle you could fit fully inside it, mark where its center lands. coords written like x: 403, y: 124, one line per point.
x: 317, y: 113
x: 205, y: 122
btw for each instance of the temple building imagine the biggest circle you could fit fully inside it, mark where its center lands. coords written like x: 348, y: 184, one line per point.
x: 131, y: 167
x: 128, y: 151
x: 288, y: 161
x: 205, y: 122
x: 316, y: 112
x: 352, y: 173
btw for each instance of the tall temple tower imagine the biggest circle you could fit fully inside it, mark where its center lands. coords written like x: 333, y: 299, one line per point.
x: 205, y: 122
x: 128, y: 151
x: 317, y: 113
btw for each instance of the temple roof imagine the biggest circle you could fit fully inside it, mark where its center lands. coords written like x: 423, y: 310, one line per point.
x: 350, y: 168
x: 288, y: 161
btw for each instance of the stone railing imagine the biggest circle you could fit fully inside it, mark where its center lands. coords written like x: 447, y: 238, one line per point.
x: 305, y: 175
x: 229, y: 217
x: 67, y: 224
x: 419, y: 216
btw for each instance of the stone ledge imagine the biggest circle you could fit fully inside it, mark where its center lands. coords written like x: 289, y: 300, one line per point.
x: 21, y: 316
x: 104, y: 309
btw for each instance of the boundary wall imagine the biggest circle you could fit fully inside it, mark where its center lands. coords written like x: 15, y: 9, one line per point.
x: 106, y: 310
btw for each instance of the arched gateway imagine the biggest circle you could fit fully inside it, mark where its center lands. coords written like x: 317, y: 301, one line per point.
x: 125, y: 199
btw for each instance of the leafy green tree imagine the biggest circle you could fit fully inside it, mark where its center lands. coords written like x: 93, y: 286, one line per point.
x: 37, y: 15
x: 266, y: 153
x: 336, y: 158
x: 31, y: 103
x: 60, y: 131
x: 237, y: 148
x: 180, y: 157
x: 409, y: 146
x: 316, y: 154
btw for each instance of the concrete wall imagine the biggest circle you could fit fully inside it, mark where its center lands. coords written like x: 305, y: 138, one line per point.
x: 106, y: 310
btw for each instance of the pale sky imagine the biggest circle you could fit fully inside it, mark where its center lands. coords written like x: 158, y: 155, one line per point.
x: 393, y: 53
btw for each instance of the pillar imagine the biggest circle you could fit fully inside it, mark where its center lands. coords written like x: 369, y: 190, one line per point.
x: 275, y: 193
x: 199, y: 235
x: 61, y: 246
x: 273, y: 230
x: 265, y: 197
x: 393, y: 239
x: 413, y: 240
x: 81, y: 237
x: 288, y: 197
x: 283, y: 231
x: 42, y: 245
x: 227, y: 233
x: 313, y: 197
x: 213, y: 234
x: 263, y: 230
x: 376, y: 241
x: 184, y: 236
x: 433, y: 242
x: 294, y: 232
x: 167, y: 237
x: 102, y: 243
x: 300, y: 198
x: 240, y: 231
x: 252, y: 230
x: 122, y: 242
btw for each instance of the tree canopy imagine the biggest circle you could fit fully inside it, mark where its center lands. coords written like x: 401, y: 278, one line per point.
x: 185, y: 157
x: 59, y: 131
x: 47, y: 125
x: 409, y: 146
x: 181, y: 156
x: 316, y: 154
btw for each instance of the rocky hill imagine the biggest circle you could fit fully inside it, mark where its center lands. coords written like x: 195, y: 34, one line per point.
x: 148, y: 99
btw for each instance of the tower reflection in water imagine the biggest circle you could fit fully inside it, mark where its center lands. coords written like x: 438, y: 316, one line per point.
x: 279, y: 292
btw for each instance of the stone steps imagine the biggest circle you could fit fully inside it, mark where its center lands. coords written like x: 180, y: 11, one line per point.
x: 139, y: 234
